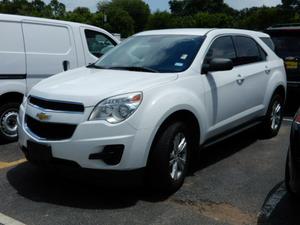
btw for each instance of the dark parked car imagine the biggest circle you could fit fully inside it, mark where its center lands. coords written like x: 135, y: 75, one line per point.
x: 286, y: 39
x: 292, y: 174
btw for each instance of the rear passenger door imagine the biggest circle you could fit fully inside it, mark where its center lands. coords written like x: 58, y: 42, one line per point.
x: 252, y: 67
x: 95, y: 44
x: 49, y: 50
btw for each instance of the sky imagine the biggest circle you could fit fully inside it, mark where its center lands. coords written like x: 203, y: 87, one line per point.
x: 163, y: 4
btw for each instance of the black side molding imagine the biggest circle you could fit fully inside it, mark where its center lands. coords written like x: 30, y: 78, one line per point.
x: 13, y: 76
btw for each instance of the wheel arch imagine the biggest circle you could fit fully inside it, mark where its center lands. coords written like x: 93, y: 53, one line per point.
x: 184, y: 115
x: 11, y: 97
x: 280, y: 89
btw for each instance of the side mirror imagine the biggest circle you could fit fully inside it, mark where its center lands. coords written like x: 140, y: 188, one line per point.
x: 217, y: 64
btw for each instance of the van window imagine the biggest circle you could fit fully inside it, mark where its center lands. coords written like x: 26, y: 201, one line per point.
x: 248, y: 51
x: 268, y: 41
x: 222, y: 47
x: 98, y: 43
x: 46, y: 39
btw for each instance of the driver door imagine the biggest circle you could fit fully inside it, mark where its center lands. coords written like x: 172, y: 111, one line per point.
x: 224, y: 90
x: 95, y: 44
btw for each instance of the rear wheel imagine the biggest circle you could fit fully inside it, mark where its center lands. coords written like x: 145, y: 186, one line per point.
x: 272, y: 122
x: 8, y: 121
x: 170, y: 158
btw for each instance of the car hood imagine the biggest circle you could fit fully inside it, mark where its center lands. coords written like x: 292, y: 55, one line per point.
x: 89, y: 86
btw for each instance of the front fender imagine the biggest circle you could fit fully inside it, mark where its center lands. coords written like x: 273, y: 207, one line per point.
x: 8, y: 86
x: 160, y: 103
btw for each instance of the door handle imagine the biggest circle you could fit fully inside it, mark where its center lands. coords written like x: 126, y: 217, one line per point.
x: 240, y: 79
x: 66, y: 65
x: 267, y: 70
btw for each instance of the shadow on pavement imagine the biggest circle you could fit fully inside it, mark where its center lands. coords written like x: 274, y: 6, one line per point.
x: 75, y: 188
x: 84, y: 190
x: 279, y: 208
x: 225, y: 149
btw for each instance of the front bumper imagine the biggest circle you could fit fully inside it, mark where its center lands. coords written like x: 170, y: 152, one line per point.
x: 90, y: 139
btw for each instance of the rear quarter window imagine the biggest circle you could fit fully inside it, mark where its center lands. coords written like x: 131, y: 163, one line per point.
x: 268, y: 41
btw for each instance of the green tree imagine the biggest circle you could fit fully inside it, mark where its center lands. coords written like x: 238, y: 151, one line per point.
x: 138, y: 10
x: 119, y: 21
x: 80, y: 15
x: 190, y: 7
x: 262, y: 18
x: 58, y: 9
x: 160, y: 20
x: 213, y: 20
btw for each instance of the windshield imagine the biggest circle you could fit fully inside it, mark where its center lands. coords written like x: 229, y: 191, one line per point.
x: 155, y: 53
x: 287, y: 45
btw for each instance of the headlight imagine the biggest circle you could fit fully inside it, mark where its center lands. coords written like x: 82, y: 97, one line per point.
x: 118, y: 108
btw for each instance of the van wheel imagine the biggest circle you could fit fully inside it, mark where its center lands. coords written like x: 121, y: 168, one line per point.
x: 169, y: 159
x: 272, y: 121
x: 8, y: 121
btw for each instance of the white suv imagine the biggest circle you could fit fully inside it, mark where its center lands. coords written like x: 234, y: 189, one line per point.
x: 152, y: 100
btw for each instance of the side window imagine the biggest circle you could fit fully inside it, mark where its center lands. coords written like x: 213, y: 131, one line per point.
x: 269, y: 42
x: 248, y: 51
x: 98, y: 43
x: 222, y: 47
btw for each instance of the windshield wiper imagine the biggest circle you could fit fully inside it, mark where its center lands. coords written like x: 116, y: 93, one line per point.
x: 93, y: 65
x: 134, y: 68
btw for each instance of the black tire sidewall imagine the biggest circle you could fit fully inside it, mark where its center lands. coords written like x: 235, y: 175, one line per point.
x: 158, y: 166
x: 13, y: 106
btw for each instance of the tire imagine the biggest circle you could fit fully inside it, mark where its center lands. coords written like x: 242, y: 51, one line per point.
x: 8, y: 121
x: 165, y: 157
x: 273, y: 119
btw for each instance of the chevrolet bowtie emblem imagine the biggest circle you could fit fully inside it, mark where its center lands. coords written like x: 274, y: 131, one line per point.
x: 42, y: 116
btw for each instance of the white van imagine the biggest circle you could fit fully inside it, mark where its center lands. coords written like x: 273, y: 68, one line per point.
x: 34, y: 48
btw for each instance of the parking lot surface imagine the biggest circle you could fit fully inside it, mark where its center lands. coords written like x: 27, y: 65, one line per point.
x: 238, y: 181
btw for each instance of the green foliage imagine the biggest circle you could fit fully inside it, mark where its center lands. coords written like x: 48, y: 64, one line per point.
x: 119, y: 21
x: 261, y: 18
x: 160, y: 20
x: 130, y: 16
x: 191, y: 7
x: 138, y: 11
x: 216, y: 20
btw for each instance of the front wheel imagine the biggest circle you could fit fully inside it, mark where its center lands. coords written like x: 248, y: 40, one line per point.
x: 272, y: 121
x: 8, y: 121
x: 170, y: 157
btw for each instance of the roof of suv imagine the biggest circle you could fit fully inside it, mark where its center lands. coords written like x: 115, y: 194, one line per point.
x: 201, y: 32
x: 287, y: 26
